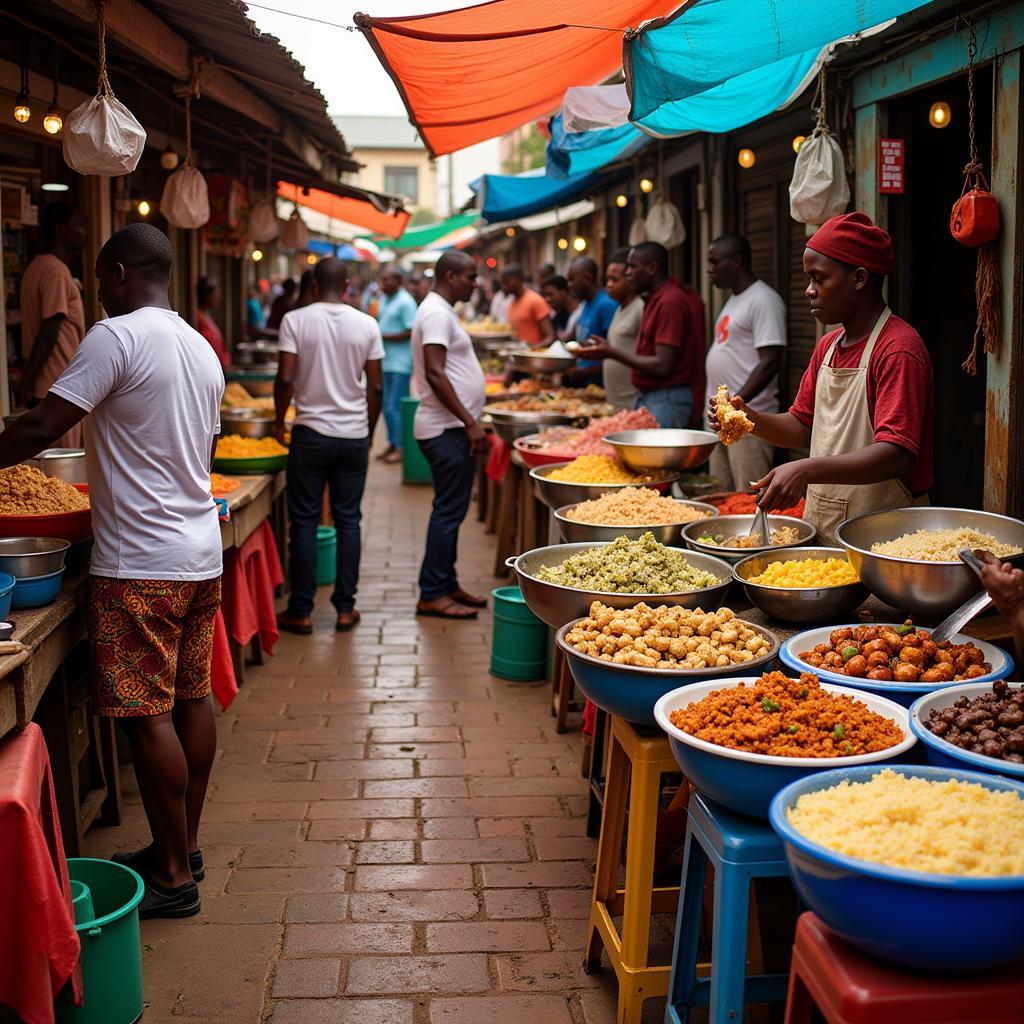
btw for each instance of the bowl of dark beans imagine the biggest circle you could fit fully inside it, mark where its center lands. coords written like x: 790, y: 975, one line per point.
x: 973, y: 725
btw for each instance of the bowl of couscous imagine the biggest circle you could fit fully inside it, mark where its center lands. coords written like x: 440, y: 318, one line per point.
x: 922, y: 867
x: 630, y: 512
x: 907, y: 557
x: 742, y: 739
x: 801, y: 585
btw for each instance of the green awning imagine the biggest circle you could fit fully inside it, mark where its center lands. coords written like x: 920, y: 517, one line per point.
x: 423, y: 236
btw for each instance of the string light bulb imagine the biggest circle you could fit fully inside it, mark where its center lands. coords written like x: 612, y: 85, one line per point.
x: 491, y: 262
x: 798, y: 141
x: 579, y: 243
x: 510, y: 232
x: 144, y: 207
x: 646, y: 185
x: 621, y: 201
x: 563, y: 243
x: 311, y: 258
x: 939, y: 116
x: 746, y: 159
x: 22, y: 109
x: 257, y: 255
x: 52, y: 120
x: 169, y: 159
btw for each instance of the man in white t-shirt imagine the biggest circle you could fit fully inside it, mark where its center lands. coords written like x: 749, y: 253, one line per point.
x: 329, y: 358
x: 745, y: 355
x: 151, y: 386
x: 451, y: 385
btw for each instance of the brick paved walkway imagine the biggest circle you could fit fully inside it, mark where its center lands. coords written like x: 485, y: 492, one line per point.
x: 393, y: 836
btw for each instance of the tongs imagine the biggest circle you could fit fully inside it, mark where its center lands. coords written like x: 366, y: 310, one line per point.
x: 972, y: 607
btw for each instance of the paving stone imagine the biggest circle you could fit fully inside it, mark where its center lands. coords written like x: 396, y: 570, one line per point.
x: 287, y: 880
x: 385, y: 852
x: 569, y: 904
x: 413, y: 876
x: 414, y: 905
x: 361, y: 808
x: 452, y: 972
x: 543, y: 972
x: 489, y: 1009
x: 478, y: 807
x: 297, y: 855
x: 543, y: 875
x: 247, y: 909
x: 331, y: 939
x: 341, y: 770
x: 465, y: 767
x: 472, y: 851
x: 565, y: 848
x: 316, y: 908
x: 487, y: 936
x: 342, y: 1011
x: 512, y: 904
x: 306, y: 978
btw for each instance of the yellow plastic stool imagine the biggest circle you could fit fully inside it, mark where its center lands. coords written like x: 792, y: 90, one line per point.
x: 636, y: 762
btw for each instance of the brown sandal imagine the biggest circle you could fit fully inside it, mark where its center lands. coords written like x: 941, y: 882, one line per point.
x: 452, y: 610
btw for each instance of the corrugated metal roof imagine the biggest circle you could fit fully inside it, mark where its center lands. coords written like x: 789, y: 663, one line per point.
x: 365, y: 132
x: 222, y: 29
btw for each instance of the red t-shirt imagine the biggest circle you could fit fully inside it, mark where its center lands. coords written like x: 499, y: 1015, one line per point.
x: 208, y: 328
x: 670, y: 318
x: 900, y: 393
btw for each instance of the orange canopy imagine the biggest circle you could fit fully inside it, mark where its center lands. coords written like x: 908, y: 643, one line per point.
x: 352, y: 205
x: 474, y: 73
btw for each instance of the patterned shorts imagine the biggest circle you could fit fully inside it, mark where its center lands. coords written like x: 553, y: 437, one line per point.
x: 151, y: 643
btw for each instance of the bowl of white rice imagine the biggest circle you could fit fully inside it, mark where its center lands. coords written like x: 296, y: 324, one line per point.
x: 922, y: 867
x: 907, y: 557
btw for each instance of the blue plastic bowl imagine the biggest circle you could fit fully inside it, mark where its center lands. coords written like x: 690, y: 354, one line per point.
x: 630, y: 692
x: 7, y: 585
x: 902, y: 693
x: 946, y: 755
x: 35, y: 591
x: 908, y: 918
x: 746, y: 782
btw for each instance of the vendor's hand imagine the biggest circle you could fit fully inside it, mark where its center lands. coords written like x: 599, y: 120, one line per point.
x: 478, y: 443
x: 280, y: 432
x: 784, y: 486
x: 736, y: 402
x: 1004, y: 583
x: 595, y: 347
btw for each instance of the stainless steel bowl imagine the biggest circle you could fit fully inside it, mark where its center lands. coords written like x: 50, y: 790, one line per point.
x: 26, y: 557
x: 574, y: 532
x: 510, y: 425
x: 928, y: 589
x: 537, y: 362
x: 66, y: 464
x: 556, y: 493
x: 248, y: 423
x: 662, y: 448
x: 786, y: 604
x: 556, y: 605
x: 739, y: 526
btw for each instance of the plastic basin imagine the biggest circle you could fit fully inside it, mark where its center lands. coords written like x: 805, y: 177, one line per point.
x: 746, y: 782
x: 907, y: 918
x: 248, y: 467
x: 7, y: 583
x: 35, y: 591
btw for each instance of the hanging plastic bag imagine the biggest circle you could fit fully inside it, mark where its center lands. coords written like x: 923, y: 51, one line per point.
x: 102, y: 136
x: 819, y: 189
x: 186, y: 200
x: 295, y: 234
x: 637, y: 231
x: 263, y: 224
x: 664, y: 223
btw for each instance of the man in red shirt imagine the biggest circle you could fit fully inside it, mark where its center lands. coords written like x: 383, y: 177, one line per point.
x: 865, y: 401
x: 668, y: 364
x: 528, y: 313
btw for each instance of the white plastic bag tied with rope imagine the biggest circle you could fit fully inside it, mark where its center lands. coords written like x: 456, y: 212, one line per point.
x: 664, y: 223
x: 102, y: 136
x: 819, y: 189
x: 263, y: 224
x: 637, y: 231
x: 186, y: 199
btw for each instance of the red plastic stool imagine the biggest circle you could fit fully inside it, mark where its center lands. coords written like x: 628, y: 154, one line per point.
x: 849, y: 988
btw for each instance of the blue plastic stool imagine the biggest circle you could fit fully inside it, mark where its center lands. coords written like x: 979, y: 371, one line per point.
x: 739, y: 849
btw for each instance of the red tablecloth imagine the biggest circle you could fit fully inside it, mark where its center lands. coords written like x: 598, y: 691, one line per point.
x: 498, y: 460
x: 251, y: 575
x: 38, y: 942
x: 222, y: 669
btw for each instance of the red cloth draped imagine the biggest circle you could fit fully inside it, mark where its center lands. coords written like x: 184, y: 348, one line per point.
x: 498, y: 460
x: 222, y: 668
x: 589, y: 718
x: 251, y: 575
x: 38, y: 943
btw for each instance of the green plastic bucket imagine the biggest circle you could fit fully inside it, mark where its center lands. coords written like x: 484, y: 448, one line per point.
x: 326, y: 555
x: 81, y: 902
x: 519, y: 641
x: 415, y: 468
x: 111, y: 949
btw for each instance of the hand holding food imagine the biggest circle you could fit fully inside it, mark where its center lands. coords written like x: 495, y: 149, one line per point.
x: 733, y: 422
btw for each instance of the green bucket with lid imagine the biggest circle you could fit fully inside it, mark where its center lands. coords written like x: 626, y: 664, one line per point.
x: 326, y: 555
x: 519, y: 641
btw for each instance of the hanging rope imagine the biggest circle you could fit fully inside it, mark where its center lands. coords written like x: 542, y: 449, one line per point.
x: 821, y: 104
x: 103, y: 85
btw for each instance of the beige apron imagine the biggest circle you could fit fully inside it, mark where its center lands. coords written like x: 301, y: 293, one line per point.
x: 842, y: 423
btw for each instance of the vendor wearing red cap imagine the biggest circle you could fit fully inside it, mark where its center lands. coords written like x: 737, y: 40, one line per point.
x: 865, y: 401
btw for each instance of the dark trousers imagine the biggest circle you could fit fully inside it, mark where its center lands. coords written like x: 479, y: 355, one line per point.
x: 338, y: 463
x: 453, y: 469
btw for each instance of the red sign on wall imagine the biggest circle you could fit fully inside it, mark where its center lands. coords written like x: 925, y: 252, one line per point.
x: 890, y: 166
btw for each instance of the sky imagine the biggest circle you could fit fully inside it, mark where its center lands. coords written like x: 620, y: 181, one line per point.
x: 347, y: 72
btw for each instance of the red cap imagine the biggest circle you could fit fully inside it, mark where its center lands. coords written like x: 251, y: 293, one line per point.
x: 852, y: 238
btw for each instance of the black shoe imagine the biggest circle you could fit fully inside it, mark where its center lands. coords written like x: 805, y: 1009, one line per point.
x: 136, y: 860
x: 181, y: 901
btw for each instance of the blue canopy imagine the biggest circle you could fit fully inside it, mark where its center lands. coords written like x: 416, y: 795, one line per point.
x: 511, y: 196
x: 572, y: 153
x: 707, y: 43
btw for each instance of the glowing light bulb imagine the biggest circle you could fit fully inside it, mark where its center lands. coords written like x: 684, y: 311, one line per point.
x: 621, y: 201
x: 169, y: 159
x: 510, y: 232
x: 491, y: 262
x: 939, y: 116
x: 311, y: 258
x: 798, y: 141
x: 563, y: 243
x: 52, y: 122
x: 143, y: 207
x: 746, y: 159
x: 257, y: 255
x: 579, y: 244
x: 22, y: 109
x: 646, y: 185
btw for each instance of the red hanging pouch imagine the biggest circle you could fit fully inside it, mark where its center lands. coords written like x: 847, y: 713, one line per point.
x: 974, y: 219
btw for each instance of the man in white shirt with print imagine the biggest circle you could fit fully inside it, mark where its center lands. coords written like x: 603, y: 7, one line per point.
x: 745, y: 355
x: 452, y: 388
x: 325, y: 351
x: 151, y: 386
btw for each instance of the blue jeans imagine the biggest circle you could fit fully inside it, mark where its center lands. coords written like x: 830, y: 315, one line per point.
x: 338, y: 463
x: 453, y: 469
x: 396, y: 387
x: 671, y: 407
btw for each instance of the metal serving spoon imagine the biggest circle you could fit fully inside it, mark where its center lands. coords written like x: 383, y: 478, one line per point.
x: 971, y: 608
x: 759, y: 527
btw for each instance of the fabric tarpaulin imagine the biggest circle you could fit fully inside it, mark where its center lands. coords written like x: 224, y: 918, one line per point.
x: 572, y: 153
x: 468, y: 75
x: 423, y: 236
x: 511, y: 196
x: 351, y: 209
x: 693, y: 50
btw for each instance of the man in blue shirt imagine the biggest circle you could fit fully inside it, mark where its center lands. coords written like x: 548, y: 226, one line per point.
x: 396, y: 312
x: 595, y: 317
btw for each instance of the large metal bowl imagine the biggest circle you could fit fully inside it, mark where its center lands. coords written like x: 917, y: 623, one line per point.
x: 557, y: 493
x: 510, y: 424
x: 788, y: 604
x: 739, y: 526
x: 930, y: 590
x: 247, y: 423
x: 67, y: 464
x: 556, y: 605
x: 538, y: 362
x: 27, y: 557
x: 574, y: 532
x: 662, y: 448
